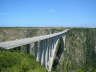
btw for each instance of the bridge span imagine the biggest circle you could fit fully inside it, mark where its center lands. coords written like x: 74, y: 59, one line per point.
x: 47, y: 48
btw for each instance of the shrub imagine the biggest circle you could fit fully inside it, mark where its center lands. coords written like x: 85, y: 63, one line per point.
x: 19, y: 62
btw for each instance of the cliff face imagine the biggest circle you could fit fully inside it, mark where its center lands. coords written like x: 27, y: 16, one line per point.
x: 80, y: 51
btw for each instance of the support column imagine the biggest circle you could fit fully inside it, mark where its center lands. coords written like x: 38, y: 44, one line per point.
x: 53, y: 56
x: 38, y: 50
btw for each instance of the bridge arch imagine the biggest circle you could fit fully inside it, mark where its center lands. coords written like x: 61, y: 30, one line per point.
x: 59, y: 52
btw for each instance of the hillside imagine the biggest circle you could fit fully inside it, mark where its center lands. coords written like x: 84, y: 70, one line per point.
x: 12, y: 33
x: 80, y: 49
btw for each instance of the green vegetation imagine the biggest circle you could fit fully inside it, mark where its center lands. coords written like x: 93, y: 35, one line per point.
x: 19, y: 62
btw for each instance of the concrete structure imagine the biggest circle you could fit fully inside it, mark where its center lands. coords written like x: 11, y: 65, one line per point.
x: 47, y: 49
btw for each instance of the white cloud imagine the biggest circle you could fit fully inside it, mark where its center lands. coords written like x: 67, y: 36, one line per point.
x: 52, y: 10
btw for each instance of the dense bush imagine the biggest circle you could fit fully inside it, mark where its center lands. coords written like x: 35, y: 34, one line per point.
x: 19, y: 62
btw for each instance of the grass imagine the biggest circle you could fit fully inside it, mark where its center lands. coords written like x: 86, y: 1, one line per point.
x: 19, y: 62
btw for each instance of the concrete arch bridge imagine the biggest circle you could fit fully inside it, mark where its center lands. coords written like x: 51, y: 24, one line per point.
x: 47, y: 48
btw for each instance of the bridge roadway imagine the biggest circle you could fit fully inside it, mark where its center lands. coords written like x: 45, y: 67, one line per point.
x: 43, y: 47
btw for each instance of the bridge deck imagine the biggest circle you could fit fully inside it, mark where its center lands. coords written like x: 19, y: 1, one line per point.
x: 17, y: 43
